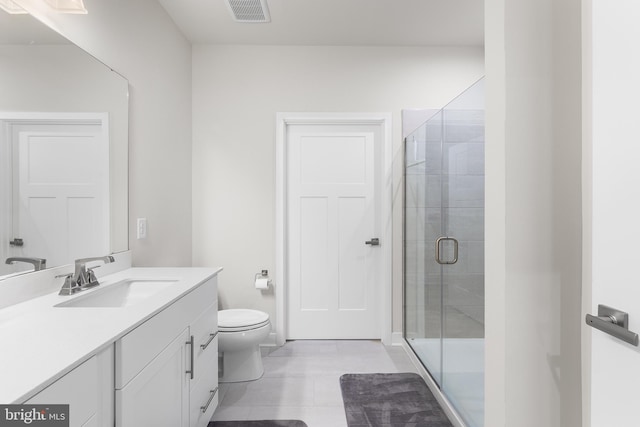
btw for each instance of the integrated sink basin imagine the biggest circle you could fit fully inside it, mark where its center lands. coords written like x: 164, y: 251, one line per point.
x: 125, y: 293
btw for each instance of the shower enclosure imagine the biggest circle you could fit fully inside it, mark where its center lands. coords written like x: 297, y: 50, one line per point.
x: 444, y: 250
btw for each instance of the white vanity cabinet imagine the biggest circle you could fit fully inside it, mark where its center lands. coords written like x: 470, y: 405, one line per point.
x: 203, y: 398
x: 166, y: 369
x: 87, y: 389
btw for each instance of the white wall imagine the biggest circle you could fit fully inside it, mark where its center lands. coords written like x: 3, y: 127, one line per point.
x: 141, y: 42
x: 237, y: 91
x: 533, y: 227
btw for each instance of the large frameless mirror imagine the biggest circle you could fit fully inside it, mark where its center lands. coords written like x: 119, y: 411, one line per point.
x: 63, y: 150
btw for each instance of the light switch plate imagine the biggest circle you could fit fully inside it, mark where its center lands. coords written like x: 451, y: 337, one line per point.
x: 142, y: 228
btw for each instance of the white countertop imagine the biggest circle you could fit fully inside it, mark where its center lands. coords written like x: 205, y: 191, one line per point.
x: 40, y: 343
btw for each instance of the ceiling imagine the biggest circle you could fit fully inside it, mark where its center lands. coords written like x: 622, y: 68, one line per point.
x: 25, y: 29
x: 336, y: 22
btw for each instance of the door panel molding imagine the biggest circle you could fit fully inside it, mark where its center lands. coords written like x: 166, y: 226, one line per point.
x: 13, y: 127
x: 283, y: 121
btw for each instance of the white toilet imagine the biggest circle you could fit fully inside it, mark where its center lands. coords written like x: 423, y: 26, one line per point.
x: 240, y: 331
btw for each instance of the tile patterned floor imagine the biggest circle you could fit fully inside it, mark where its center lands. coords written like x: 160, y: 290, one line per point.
x: 301, y: 381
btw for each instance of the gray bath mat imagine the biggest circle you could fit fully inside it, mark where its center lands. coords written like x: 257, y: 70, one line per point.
x: 390, y: 400
x: 261, y: 423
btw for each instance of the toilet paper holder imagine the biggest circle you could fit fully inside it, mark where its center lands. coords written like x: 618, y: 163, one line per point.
x: 262, y: 280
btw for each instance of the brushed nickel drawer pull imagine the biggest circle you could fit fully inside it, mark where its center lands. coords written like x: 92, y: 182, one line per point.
x: 190, y: 344
x: 211, y: 396
x: 205, y: 345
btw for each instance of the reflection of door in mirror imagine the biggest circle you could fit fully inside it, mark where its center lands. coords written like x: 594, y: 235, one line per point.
x: 59, y: 188
x: 42, y: 72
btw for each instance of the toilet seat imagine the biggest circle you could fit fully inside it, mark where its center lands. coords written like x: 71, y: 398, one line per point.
x: 235, y: 320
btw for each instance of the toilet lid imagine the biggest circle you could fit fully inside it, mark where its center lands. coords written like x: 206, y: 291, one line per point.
x: 240, y: 317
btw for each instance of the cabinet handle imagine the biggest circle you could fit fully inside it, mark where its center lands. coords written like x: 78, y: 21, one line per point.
x: 205, y: 345
x: 211, y: 396
x: 190, y: 343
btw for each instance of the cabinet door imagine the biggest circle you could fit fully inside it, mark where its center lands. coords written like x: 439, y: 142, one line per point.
x: 159, y: 395
x: 88, y: 390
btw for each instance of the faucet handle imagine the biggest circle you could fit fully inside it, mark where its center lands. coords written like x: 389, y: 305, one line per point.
x: 70, y: 286
x: 91, y: 276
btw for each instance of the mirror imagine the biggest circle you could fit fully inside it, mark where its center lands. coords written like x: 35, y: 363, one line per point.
x: 63, y: 149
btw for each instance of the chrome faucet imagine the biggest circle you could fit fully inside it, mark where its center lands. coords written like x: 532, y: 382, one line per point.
x: 82, y: 277
x: 38, y: 263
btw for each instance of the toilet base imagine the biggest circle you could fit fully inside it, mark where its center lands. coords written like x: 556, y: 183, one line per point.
x: 242, y: 365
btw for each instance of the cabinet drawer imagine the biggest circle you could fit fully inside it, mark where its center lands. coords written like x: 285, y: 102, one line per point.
x: 204, y: 392
x: 205, y: 363
x: 204, y: 330
x: 136, y: 349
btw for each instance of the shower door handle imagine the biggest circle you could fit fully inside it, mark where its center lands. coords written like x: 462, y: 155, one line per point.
x: 455, y: 250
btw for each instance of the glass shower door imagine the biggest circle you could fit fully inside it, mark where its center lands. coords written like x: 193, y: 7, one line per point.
x: 444, y: 250
x: 462, y: 254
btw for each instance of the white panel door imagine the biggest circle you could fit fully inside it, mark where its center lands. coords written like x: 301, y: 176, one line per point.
x: 61, y: 195
x: 615, y: 228
x: 333, y: 274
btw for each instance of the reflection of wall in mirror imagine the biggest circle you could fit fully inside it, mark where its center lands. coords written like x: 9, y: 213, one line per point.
x: 63, y: 78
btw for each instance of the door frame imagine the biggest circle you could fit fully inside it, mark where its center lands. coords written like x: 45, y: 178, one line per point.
x: 587, y: 202
x: 283, y: 120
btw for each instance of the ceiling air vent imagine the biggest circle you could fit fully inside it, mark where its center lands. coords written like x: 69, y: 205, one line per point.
x: 249, y: 10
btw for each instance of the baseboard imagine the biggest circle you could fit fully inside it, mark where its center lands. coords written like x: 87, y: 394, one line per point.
x: 397, y: 338
x: 442, y: 400
x: 270, y: 341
